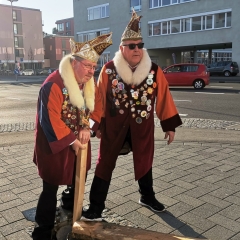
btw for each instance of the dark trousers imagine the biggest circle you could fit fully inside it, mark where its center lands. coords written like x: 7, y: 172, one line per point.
x: 45, y: 213
x: 99, y: 191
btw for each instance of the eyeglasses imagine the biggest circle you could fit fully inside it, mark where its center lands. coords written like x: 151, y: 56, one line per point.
x: 133, y: 45
x: 88, y: 66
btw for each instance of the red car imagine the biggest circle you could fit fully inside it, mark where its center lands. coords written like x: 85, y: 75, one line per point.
x: 187, y: 74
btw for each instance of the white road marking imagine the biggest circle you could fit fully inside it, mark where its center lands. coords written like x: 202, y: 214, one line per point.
x: 219, y: 87
x: 208, y: 93
x: 182, y: 100
x: 13, y: 98
x: 182, y: 115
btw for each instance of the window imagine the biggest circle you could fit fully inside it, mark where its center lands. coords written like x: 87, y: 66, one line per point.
x: 97, y: 12
x: 219, y: 20
x: 19, y: 52
x: 60, y: 27
x: 63, y: 43
x: 156, y: 28
x: 175, y: 26
x: 64, y: 53
x: 165, y: 28
x: 229, y: 19
x: 189, y: 68
x: 17, y: 28
x: 16, y: 41
x: 83, y: 37
x: 166, y: 2
x: 14, y: 15
x: 196, y: 23
x: 174, y: 69
x: 186, y: 25
x: 67, y: 25
x: 208, y: 22
x: 136, y: 4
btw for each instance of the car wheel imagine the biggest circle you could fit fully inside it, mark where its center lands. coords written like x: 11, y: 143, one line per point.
x: 198, y: 84
x: 227, y: 74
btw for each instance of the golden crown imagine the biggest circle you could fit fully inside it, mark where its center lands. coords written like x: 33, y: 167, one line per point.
x: 132, y: 31
x: 92, y: 49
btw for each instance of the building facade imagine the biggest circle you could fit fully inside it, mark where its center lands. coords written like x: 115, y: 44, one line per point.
x: 21, y: 38
x: 55, y: 48
x: 173, y: 30
x: 65, y: 27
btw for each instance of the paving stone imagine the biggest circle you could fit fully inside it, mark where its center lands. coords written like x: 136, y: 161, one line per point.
x: 167, y: 219
x: 189, y: 200
x: 183, y: 184
x: 7, y: 196
x: 215, y: 201
x: 225, y: 222
x: 222, y: 193
x: 218, y: 232
x: 180, y: 209
x: 233, y: 199
x: 188, y: 231
x: 197, y: 221
x: 235, y: 237
x: 13, y: 227
x: 21, y: 235
x: 206, y: 210
x: 12, y: 215
x: 126, y: 207
x: 160, y: 228
x: 232, y: 212
x: 173, y: 191
x: 10, y: 204
x: 197, y: 192
x: 139, y: 219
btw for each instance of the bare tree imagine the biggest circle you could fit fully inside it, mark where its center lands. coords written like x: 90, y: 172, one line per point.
x: 31, y: 56
x: 7, y: 58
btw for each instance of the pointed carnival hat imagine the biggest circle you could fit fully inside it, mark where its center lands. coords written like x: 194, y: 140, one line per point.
x: 132, y: 31
x: 92, y: 49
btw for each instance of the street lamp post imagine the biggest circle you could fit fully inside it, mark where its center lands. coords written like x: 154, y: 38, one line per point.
x: 14, y: 52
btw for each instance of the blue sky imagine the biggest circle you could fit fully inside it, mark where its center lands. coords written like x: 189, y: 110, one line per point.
x: 52, y: 10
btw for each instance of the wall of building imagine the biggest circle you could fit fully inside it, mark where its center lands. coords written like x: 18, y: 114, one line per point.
x: 31, y: 22
x: 162, y: 47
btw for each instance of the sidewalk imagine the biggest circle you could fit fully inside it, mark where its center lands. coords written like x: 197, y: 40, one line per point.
x: 197, y: 177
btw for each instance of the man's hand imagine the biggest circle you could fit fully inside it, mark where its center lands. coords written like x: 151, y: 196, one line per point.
x: 170, y: 136
x: 98, y: 134
x: 77, y: 145
x: 84, y: 136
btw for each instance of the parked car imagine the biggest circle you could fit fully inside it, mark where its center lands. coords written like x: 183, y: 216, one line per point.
x: 226, y: 68
x: 27, y: 72
x: 187, y: 74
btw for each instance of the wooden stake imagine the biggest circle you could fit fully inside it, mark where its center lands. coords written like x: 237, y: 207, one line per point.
x: 80, y: 179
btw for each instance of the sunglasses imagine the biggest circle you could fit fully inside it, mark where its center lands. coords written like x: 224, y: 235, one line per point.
x: 132, y: 46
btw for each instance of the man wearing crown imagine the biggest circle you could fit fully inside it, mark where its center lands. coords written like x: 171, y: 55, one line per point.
x: 67, y: 110
x: 132, y: 88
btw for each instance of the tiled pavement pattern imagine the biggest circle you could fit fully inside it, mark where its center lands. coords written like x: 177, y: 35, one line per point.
x: 199, y: 182
x: 187, y: 122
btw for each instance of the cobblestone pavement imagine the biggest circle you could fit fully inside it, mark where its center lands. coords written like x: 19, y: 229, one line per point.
x: 187, y: 122
x: 198, y: 182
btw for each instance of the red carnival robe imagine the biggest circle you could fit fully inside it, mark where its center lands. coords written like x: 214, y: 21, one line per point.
x: 131, y: 107
x: 56, y: 130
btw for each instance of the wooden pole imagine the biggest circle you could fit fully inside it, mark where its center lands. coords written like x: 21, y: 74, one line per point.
x: 80, y: 179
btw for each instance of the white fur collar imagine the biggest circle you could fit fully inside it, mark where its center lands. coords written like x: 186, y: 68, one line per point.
x: 69, y: 81
x: 129, y: 77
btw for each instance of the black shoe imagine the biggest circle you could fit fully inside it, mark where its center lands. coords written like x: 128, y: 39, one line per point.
x: 90, y: 215
x: 153, y: 204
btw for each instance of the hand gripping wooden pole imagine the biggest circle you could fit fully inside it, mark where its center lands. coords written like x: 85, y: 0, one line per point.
x: 80, y: 179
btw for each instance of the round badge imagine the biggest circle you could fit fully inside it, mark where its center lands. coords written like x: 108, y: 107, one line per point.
x: 149, y: 81
x: 120, y: 86
x: 143, y: 114
x: 138, y: 120
x: 108, y: 71
x: 149, y: 107
x: 143, y: 98
x: 114, y: 82
x: 121, y: 111
x: 148, y: 102
x: 148, y: 115
x: 133, y: 115
x: 138, y: 102
x: 150, y: 75
x: 116, y: 90
x: 150, y: 90
x: 154, y: 85
x: 132, y: 109
x: 64, y: 90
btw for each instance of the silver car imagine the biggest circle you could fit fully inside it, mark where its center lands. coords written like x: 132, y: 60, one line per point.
x: 226, y: 68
